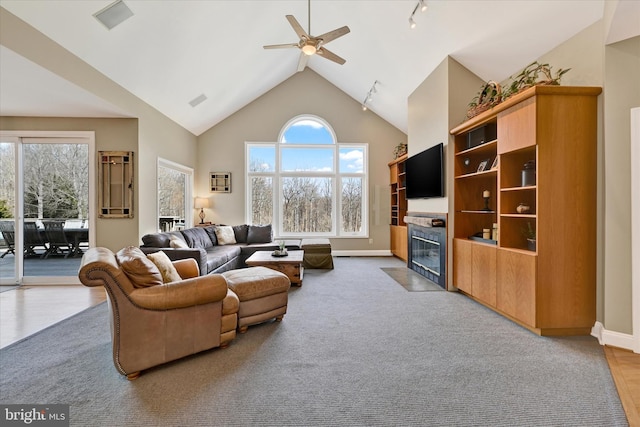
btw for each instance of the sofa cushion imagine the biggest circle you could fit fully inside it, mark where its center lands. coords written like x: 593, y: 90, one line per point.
x: 240, y: 232
x: 211, y: 232
x: 220, y: 255
x: 197, y: 238
x: 225, y: 235
x: 177, y: 243
x: 140, y: 270
x: 166, y: 267
x: 260, y: 234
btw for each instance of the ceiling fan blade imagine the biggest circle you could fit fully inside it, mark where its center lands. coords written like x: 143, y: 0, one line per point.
x: 332, y: 35
x: 297, y: 27
x: 280, y: 46
x: 302, y: 62
x: 325, y: 53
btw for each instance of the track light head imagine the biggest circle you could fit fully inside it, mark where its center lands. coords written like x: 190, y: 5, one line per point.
x: 412, y: 23
x: 423, y: 5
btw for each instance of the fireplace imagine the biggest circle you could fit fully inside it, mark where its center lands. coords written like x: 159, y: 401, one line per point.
x: 427, y: 248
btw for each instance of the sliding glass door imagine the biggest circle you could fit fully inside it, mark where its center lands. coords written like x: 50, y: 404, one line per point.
x: 47, y: 221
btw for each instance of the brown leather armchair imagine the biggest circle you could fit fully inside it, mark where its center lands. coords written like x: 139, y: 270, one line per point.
x: 153, y: 322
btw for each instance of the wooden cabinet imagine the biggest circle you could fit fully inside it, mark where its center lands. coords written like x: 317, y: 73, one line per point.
x: 550, y: 287
x: 398, y: 231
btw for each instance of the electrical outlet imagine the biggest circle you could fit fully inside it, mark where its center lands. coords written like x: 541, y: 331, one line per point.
x: 371, y: 241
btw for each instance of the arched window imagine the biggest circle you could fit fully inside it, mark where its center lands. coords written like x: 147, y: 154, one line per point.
x: 308, y: 184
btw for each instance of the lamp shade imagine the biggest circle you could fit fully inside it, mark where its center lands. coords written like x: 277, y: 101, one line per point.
x: 201, y: 203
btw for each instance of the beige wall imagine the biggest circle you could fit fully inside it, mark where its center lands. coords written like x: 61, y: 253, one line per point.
x: 221, y: 148
x: 157, y: 136
x: 622, y: 92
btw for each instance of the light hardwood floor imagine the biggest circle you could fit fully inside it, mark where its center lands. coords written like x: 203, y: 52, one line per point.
x: 29, y: 309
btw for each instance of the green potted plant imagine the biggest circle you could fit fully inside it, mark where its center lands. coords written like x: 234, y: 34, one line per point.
x: 530, y: 234
x: 490, y: 95
x: 532, y: 75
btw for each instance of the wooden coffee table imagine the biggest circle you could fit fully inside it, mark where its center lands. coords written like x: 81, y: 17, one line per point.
x: 291, y: 265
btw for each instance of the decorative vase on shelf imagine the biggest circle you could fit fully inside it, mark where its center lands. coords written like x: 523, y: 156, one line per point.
x: 529, y: 174
x: 531, y: 244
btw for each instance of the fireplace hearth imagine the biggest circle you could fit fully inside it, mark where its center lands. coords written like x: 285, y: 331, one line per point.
x: 427, y: 247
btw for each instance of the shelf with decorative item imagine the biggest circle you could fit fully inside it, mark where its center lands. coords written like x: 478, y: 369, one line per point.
x: 518, y: 202
x: 476, y: 174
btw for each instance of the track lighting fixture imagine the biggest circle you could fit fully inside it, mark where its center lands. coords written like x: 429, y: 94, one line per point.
x: 422, y: 4
x: 369, y: 96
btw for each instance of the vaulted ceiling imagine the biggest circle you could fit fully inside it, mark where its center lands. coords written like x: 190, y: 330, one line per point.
x: 170, y: 52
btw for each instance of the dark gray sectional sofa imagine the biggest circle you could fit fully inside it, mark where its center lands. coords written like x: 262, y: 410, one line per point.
x: 202, y: 245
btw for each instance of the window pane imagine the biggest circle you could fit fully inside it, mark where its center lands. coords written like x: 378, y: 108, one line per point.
x: 261, y: 200
x: 306, y: 205
x: 172, y: 186
x: 307, y: 131
x: 351, y: 160
x: 55, y: 181
x: 352, y: 205
x: 262, y: 158
x: 307, y: 159
x: 7, y: 178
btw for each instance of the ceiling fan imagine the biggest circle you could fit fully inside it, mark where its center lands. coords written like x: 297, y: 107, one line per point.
x: 310, y: 45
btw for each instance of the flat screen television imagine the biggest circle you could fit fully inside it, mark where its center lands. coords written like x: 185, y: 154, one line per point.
x: 424, y: 173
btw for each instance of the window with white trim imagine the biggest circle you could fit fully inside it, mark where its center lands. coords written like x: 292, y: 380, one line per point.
x: 175, y: 195
x: 308, y: 184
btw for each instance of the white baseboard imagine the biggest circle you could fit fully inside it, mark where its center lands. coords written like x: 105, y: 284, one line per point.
x: 362, y: 253
x: 612, y: 338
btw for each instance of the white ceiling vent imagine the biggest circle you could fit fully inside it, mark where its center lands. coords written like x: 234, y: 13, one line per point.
x: 114, y: 14
x: 198, y: 100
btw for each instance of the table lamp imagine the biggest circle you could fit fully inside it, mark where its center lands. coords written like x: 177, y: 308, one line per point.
x: 201, y: 203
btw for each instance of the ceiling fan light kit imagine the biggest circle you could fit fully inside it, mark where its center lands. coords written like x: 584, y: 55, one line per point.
x: 310, y: 45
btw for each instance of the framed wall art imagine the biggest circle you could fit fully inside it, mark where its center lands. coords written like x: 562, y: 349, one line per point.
x: 115, y: 191
x: 220, y: 182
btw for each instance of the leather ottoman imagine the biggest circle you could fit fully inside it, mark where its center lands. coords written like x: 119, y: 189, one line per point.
x: 263, y: 294
x: 317, y: 253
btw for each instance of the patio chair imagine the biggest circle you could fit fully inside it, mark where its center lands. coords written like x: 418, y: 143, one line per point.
x: 33, y: 239
x: 58, y: 243
x: 8, y: 235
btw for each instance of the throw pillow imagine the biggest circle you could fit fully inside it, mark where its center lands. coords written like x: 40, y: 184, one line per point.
x: 260, y: 234
x: 225, y: 235
x: 197, y: 238
x: 177, y: 243
x: 166, y: 267
x: 211, y: 232
x: 138, y: 268
x: 241, y: 233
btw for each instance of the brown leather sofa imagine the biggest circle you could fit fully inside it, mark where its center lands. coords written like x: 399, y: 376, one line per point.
x: 153, y: 322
